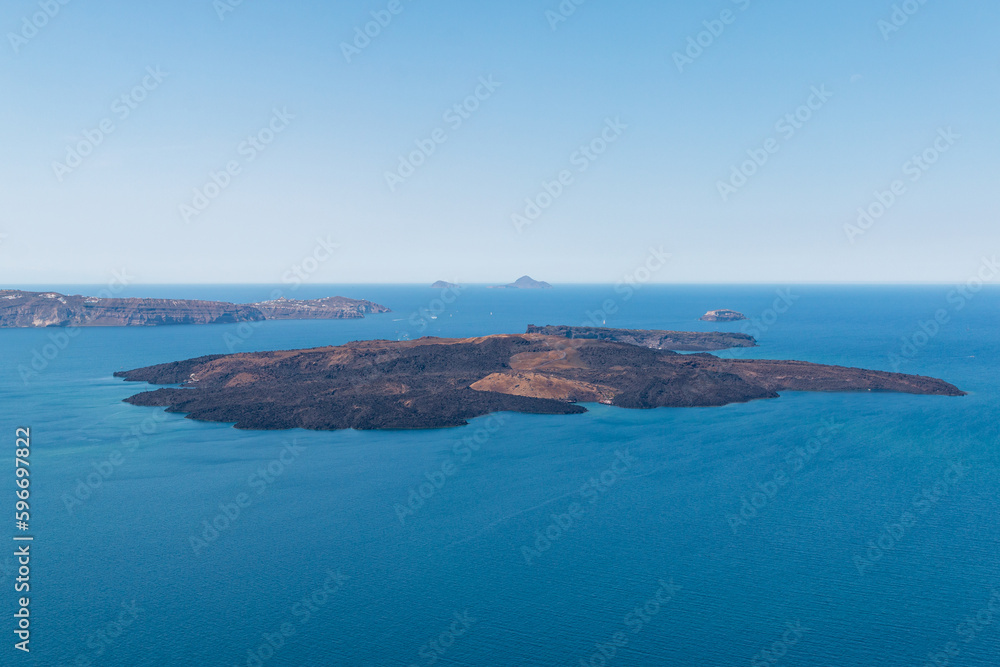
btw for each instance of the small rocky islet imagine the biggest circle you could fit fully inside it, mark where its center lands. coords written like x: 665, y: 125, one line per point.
x: 524, y: 282
x: 722, y: 315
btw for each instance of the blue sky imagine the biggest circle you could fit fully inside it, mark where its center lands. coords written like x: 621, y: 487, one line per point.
x: 554, y: 86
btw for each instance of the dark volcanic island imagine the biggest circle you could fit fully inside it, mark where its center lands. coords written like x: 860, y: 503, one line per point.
x: 51, y: 309
x: 439, y: 382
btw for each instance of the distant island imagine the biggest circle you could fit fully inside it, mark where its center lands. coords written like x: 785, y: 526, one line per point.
x: 51, y: 309
x: 679, y: 341
x: 444, y: 284
x: 441, y: 382
x: 723, y: 315
x: 524, y: 282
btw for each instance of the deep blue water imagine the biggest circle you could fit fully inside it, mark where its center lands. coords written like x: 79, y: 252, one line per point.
x: 663, y: 521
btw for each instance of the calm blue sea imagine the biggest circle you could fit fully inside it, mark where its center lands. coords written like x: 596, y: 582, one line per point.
x: 815, y: 529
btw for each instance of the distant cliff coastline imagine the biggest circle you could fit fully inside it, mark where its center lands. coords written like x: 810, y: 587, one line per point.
x: 19, y: 309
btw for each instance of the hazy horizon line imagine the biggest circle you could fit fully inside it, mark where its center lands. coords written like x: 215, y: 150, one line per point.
x: 4, y: 286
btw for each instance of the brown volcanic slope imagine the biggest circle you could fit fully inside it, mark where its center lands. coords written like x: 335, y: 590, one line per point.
x: 50, y: 309
x: 437, y: 382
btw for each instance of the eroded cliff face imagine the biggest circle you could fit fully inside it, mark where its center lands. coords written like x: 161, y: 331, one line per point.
x: 438, y: 382
x: 50, y: 309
